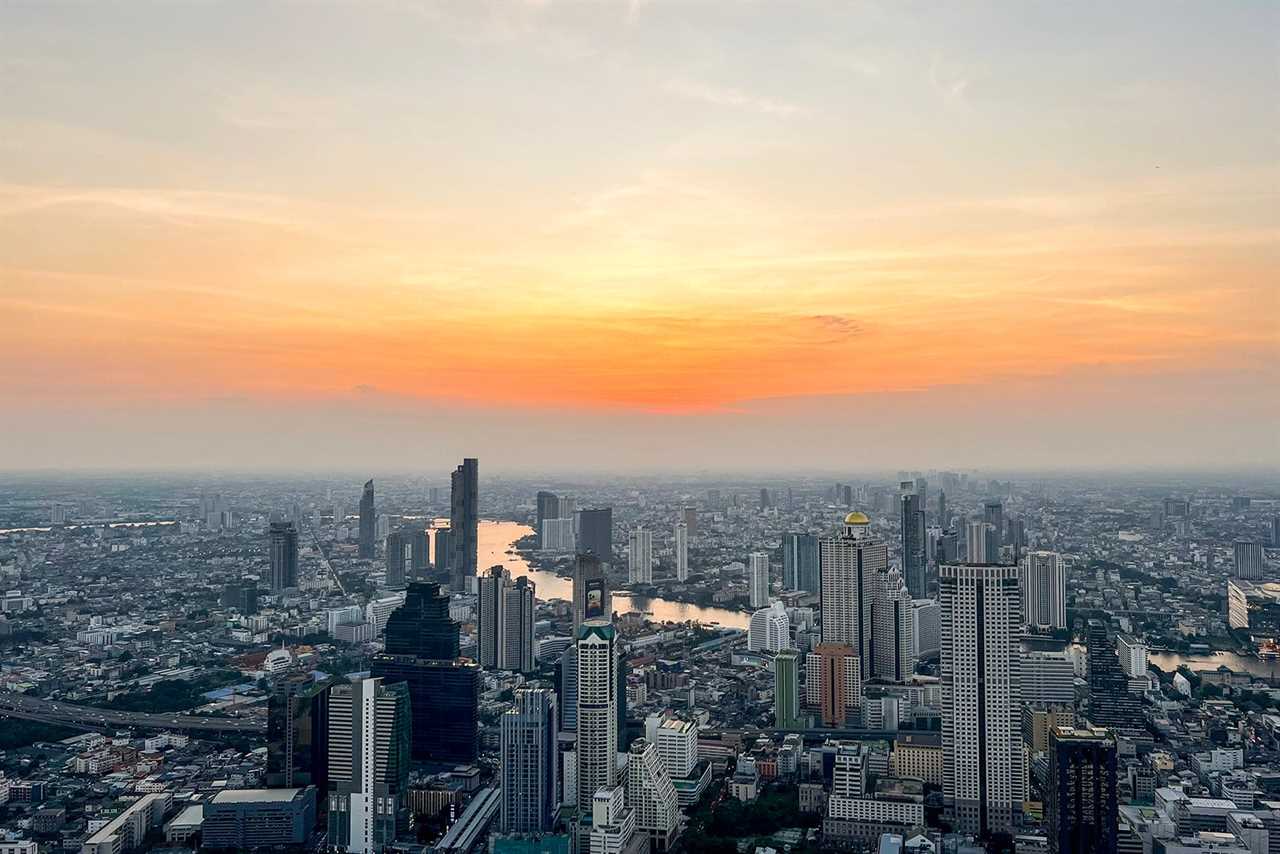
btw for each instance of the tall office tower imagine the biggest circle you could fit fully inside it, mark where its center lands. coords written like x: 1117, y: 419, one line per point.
x: 368, y: 523
x: 567, y: 688
x: 849, y: 562
x: 284, y: 556
x: 640, y: 557
x: 556, y: 535
x: 993, y: 515
x: 444, y: 552
x: 368, y: 764
x: 528, y: 766
x: 1110, y: 703
x: 682, y: 551
x: 592, y: 598
x: 1249, y: 559
x: 1275, y: 531
x: 833, y: 682
x: 892, y: 652
x: 548, y: 507
x: 914, y: 560
x: 978, y: 535
x: 769, y: 629
x: 339, y: 515
x: 597, y: 710
x: 298, y: 736
x: 943, y: 521
x: 800, y: 562
x: 418, y: 545
x: 1044, y: 590
x: 948, y: 547
x: 505, y: 621
x: 926, y: 626
x: 241, y: 595
x: 1016, y: 536
x: 1080, y: 804
x: 398, y: 560
x: 691, y: 517
x: 983, y: 774
x: 652, y: 795
x: 922, y: 490
x: 758, y: 578
x: 595, y: 533
x: 421, y: 649
x: 464, y: 522
x: 786, y: 689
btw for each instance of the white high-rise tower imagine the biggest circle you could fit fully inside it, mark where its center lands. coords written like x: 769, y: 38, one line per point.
x: 640, y: 557
x: 682, y: 551
x: 849, y: 563
x: 892, y: 655
x: 758, y: 577
x: 597, y: 699
x: 652, y: 795
x: 983, y: 765
x: 1044, y: 590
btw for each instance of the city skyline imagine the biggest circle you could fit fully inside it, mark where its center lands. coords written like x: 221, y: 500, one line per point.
x: 1036, y: 223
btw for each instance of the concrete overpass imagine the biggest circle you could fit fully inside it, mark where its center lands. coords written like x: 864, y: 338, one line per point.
x: 89, y: 718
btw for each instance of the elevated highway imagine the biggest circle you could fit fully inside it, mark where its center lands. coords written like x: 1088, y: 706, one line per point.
x: 89, y: 718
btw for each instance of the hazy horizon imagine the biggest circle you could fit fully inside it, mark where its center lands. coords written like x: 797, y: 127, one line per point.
x: 640, y: 236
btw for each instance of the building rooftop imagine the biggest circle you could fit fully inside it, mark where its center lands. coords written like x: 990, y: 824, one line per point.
x: 242, y: 796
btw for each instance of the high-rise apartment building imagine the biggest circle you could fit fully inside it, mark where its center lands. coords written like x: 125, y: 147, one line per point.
x: 597, y: 689
x: 399, y: 560
x: 528, y: 765
x: 548, y: 507
x: 1044, y: 590
x: 368, y: 523
x: 505, y: 621
x: 993, y: 515
x: 640, y: 557
x: 914, y: 560
x: 592, y: 597
x: 769, y: 629
x: 758, y: 578
x: 681, y: 549
x: 368, y: 764
x: 595, y: 533
x: 1110, y: 702
x: 800, y: 562
x: 983, y: 778
x: 652, y: 795
x: 1080, y: 804
x: 464, y: 522
x: 444, y: 552
x: 690, y: 518
x: 786, y: 689
x: 891, y: 653
x: 849, y: 562
x: 979, y: 539
x: 421, y: 650
x: 1250, y: 562
x: 833, y: 682
x: 284, y: 556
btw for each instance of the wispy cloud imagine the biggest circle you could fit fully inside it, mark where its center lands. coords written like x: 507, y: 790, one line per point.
x: 723, y: 96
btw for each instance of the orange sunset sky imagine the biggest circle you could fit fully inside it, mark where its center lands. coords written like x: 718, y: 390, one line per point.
x: 639, y: 235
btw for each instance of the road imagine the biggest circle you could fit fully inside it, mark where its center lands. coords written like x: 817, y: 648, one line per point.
x: 90, y: 718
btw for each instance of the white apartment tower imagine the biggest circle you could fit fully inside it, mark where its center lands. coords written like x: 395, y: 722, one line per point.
x: 758, y: 577
x: 505, y: 621
x: 640, y: 557
x: 652, y: 795
x: 849, y: 563
x: 1044, y: 590
x: 892, y: 654
x: 983, y: 775
x: 682, y: 551
x: 597, y: 711
x: 769, y: 629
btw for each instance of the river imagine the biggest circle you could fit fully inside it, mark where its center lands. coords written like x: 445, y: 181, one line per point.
x: 1170, y: 661
x: 496, y: 538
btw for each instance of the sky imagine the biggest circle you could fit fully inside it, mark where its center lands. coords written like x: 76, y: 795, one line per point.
x: 639, y: 235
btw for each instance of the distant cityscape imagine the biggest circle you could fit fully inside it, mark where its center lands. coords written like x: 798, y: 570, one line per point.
x: 932, y: 661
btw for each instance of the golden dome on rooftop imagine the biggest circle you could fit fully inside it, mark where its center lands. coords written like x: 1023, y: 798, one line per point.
x: 857, y: 517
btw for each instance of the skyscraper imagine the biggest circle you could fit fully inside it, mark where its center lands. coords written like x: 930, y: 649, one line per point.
x: 398, y: 560
x: 595, y: 533
x: 1080, y: 804
x: 769, y: 629
x: 592, y: 598
x: 786, y: 689
x: 464, y: 522
x: 758, y: 578
x: 983, y: 781
x: 419, y: 550
x: 979, y: 536
x: 849, y: 562
x: 298, y: 736
x: 548, y: 508
x: 943, y: 520
x: 444, y: 552
x: 421, y: 649
x: 833, y: 682
x: 640, y: 557
x: 652, y: 795
x: 597, y: 680
x: 691, y: 519
x: 528, y: 766
x: 368, y: 764
x: 993, y: 515
x: 892, y: 651
x: 1016, y: 536
x: 1250, y: 562
x: 682, y: 551
x: 914, y: 560
x: 1044, y: 590
x: 284, y: 556
x: 800, y: 562
x: 505, y: 621
x: 1110, y: 703
x: 368, y: 523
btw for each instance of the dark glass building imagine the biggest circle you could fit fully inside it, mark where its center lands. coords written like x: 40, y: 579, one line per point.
x: 421, y: 650
x: 1110, y: 703
x: 595, y: 533
x: 914, y: 562
x: 1080, y: 801
x: 284, y: 556
x: 800, y: 563
x: 548, y: 508
x: 464, y: 522
x: 368, y: 527
x: 241, y: 595
x: 444, y: 552
x: 993, y: 514
x: 397, y: 560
